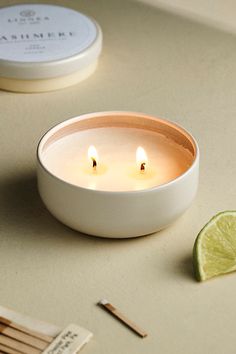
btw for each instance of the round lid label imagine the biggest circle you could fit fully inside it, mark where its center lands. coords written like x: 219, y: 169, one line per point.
x: 42, y: 33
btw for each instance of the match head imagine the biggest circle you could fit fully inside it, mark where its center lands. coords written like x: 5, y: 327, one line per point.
x: 103, y: 302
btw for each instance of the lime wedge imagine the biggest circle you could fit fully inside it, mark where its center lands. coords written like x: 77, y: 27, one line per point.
x: 214, y: 250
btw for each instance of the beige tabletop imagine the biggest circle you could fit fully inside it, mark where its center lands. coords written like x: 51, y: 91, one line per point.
x: 160, y: 64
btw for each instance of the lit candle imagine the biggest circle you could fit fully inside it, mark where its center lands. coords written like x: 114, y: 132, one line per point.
x: 141, y: 159
x: 93, y: 155
x: 72, y: 159
x: 101, y: 195
x: 86, y: 170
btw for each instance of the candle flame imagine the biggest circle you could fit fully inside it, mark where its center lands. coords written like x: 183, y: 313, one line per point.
x: 141, y: 159
x: 93, y: 155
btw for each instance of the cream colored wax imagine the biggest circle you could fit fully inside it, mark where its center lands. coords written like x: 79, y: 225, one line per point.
x: 117, y: 170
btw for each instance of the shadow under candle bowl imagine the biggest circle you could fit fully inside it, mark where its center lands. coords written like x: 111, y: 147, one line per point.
x: 117, y: 203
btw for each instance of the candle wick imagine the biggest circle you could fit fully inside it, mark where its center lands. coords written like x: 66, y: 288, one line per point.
x: 142, y: 166
x: 94, y: 163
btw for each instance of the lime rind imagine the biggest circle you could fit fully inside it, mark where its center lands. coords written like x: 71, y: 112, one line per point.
x: 214, y: 250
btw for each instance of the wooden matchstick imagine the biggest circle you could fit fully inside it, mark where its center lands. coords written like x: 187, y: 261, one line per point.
x: 25, y: 330
x: 116, y: 313
x: 4, y: 349
x: 15, y: 338
x: 14, y: 344
x: 23, y: 337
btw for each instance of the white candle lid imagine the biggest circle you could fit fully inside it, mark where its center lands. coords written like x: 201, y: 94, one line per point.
x: 39, y: 41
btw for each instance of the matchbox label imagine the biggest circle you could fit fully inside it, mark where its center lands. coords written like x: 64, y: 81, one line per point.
x: 70, y: 341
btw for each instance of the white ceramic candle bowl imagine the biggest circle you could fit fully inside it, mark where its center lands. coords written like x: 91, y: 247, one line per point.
x: 118, y: 214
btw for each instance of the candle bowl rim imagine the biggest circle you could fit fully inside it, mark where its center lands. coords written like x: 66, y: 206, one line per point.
x: 123, y: 113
